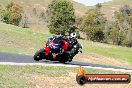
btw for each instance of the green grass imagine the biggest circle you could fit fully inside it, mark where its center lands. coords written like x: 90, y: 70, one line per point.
x: 18, y: 76
x: 12, y: 78
x: 19, y: 40
x: 112, y: 51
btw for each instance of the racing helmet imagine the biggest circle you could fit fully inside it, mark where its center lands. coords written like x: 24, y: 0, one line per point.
x: 73, y: 35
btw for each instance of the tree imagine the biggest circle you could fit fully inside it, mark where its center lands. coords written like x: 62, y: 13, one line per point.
x: 78, y: 20
x: 61, y: 16
x: 93, y: 25
x: 5, y: 16
x: 12, y: 14
x: 114, y: 35
x: 98, y: 6
x: 88, y: 23
x: 123, y: 19
x: 122, y: 16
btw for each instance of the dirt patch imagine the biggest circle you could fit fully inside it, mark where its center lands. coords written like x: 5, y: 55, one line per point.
x: 95, y: 59
x: 43, y: 81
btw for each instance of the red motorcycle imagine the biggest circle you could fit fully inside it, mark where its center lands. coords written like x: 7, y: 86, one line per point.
x: 59, y: 49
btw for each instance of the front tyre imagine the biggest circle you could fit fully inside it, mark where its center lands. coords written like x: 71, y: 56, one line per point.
x: 38, y: 55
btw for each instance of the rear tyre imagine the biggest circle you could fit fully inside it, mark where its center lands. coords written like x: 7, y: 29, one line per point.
x: 38, y: 55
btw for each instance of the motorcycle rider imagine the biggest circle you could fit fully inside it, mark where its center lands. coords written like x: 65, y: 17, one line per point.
x: 54, y: 43
x: 71, y: 40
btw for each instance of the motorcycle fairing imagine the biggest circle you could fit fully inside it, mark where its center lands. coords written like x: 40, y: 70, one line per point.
x: 65, y: 45
x: 47, y: 50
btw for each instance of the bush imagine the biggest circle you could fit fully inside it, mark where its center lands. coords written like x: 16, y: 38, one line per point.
x: 99, y: 36
x: 61, y: 16
x: 127, y: 43
x: 12, y: 14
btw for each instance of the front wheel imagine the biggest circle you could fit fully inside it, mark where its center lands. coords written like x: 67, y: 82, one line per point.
x: 38, y: 55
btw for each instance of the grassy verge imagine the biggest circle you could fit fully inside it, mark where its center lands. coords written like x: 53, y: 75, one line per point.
x: 18, y: 40
x: 14, y: 76
x: 112, y: 51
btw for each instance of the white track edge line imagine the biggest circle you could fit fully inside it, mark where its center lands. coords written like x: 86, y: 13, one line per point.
x: 43, y: 64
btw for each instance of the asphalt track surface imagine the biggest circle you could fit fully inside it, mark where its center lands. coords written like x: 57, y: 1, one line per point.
x: 19, y: 58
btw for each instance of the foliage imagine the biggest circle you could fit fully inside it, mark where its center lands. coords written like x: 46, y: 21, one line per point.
x: 121, y: 31
x: 98, y: 6
x: 93, y: 24
x: 6, y: 16
x: 127, y: 43
x: 78, y: 20
x: 12, y: 14
x: 61, y: 16
x: 114, y: 35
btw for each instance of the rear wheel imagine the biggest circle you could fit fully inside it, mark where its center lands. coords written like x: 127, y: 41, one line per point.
x: 39, y: 55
